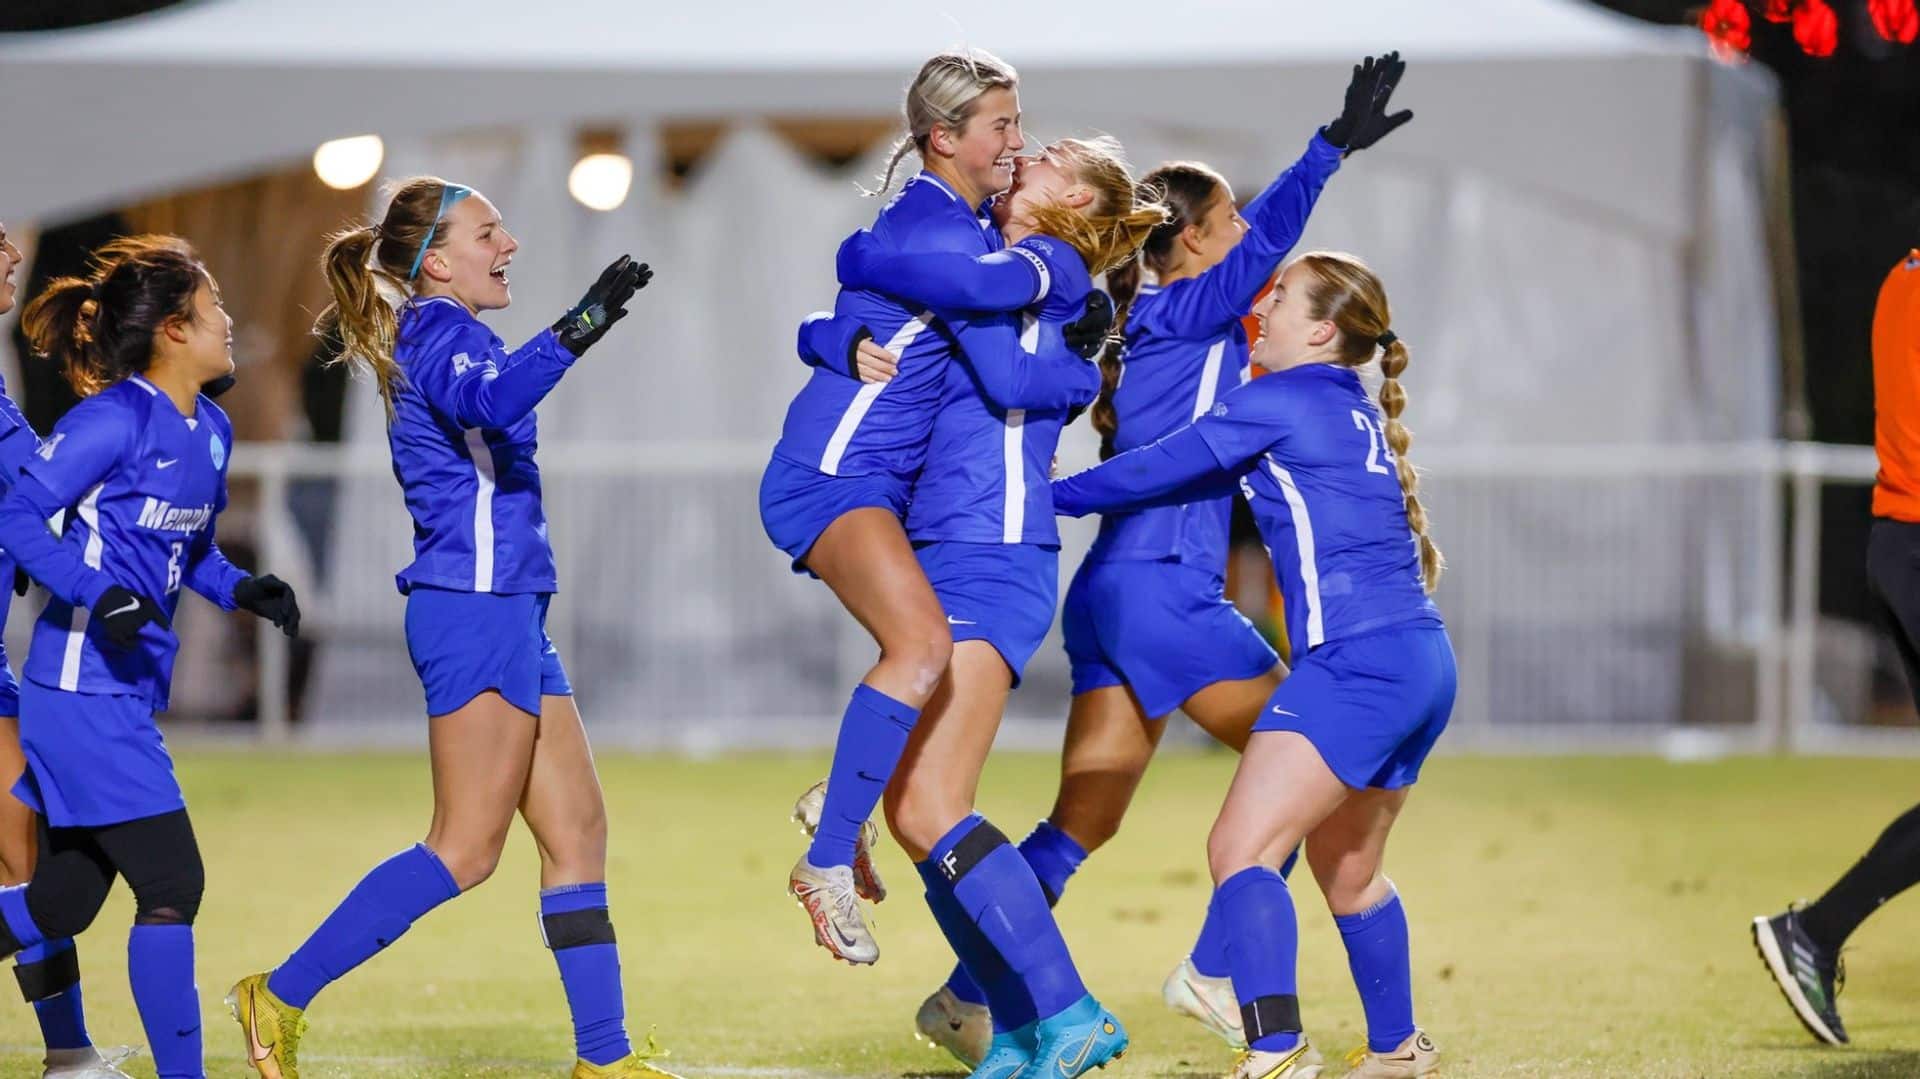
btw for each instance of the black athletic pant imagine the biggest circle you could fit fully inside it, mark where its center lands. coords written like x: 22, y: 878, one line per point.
x: 76, y: 867
x: 1893, y: 864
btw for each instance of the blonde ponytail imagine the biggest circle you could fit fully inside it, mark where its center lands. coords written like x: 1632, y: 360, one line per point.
x: 365, y: 322
x: 945, y: 93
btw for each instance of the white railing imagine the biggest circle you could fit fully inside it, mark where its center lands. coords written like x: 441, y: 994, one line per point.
x: 1607, y: 597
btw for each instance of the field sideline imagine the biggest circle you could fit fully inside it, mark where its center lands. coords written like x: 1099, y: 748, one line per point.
x: 1571, y: 917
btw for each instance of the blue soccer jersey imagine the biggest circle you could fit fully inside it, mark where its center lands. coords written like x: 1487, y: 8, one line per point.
x: 463, y: 438
x: 842, y: 427
x: 17, y: 446
x: 988, y: 472
x: 140, y: 485
x: 1307, y: 447
x: 1185, y: 347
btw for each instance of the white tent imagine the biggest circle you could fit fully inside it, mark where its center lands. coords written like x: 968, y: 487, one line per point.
x: 1574, y: 227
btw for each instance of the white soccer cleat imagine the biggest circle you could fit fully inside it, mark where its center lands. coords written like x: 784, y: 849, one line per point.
x: 1208, y: 1000
x: 87, y: 1063
x: 1302, y: 1061
x: 963, y: 1029
x: 1415, y: 1057
x: 829, y: 898
x: 866, y: 879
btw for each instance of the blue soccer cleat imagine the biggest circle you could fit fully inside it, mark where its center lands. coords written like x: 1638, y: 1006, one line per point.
x: 1076, y: 1041
x: 1009, y: 1055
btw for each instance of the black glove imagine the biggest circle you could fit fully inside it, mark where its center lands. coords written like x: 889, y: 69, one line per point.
x: 219, y: 385
x: 21, y: 582
x: 272, y: 599
x: 603, y: 305
x: 1086, y: 334
x: 1364, y: 120
x: 122, y: 614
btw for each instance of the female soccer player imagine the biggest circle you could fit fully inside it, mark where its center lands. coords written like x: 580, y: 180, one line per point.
x: 1332, y: 758
x: 834, y: 492
x: 139, y: 469
x: 981, y: 521
x: 503, y: 728
x: 49, y: 973
x: 1147, y: 623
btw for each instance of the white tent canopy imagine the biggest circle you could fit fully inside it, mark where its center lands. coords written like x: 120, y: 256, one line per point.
x: 1573, y: 230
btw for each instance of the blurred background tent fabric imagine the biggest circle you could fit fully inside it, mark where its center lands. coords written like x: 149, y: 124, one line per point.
x: 1576, y: 232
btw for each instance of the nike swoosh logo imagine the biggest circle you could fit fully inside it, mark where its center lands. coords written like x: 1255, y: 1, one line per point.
x: 166, y: 462
x: 1284, y: 712
x: 952, y: 621
x: 1071, y: 1068
x: 132, y: 605
x: 254, y: 1048
x: 187, y: 1033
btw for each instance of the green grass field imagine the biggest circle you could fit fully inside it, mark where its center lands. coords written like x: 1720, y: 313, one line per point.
x: 1571, y: 917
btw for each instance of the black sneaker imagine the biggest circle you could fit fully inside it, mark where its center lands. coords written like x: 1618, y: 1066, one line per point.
x: 1810, y: 979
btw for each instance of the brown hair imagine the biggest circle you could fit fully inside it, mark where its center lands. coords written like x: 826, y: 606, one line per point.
x: 99, y: 327
x: 1345, y: 291
x: 1110, y: 230
x: 368, y: 267
x: 1187, y: 190
x: 945, y: 93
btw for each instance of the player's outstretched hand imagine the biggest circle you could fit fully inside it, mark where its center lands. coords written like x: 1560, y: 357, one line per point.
x: 122, y: 614
x: 1086, y: 334
x: 604, y: 304
x: 1363, y: 120
x: 272, y: 599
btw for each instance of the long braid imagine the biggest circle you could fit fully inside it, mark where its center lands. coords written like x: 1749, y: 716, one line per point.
x: 1393, y: 401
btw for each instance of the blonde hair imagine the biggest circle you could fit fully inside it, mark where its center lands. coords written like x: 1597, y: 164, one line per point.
x: 945, y: 93
x: 1108, y: 232
x: 367, y: 269
x: 1345, y: 291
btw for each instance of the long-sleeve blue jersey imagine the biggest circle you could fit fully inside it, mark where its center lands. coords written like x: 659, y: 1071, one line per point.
x: 140, y: 485
x: 17, y: 446
x: 988, y: 468
x: 1185, y: 347
x: 463, y: 438
x: 842, y: 427
x: 1308, y: 450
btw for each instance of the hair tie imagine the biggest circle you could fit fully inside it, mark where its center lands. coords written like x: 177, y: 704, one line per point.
x: 1387, y: 339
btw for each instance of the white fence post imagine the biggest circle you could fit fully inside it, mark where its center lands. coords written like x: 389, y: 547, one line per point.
x: 1802, y: 690
x: 271, y: 645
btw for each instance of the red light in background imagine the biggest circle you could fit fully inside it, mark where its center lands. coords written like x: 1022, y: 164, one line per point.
x: 1728, y: 27
x: 1816, y: 28
x: 1895, y: 20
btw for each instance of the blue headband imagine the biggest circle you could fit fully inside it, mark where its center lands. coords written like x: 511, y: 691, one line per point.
x: 449, y: 195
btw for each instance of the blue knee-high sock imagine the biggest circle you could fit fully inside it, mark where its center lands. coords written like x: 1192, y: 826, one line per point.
x: 574, y: 921
x: 1000, y: 894
x: 160, y: 968
x: 1054, y: 856
x: 50, y: 971
x: 1258, y: 915
x: 999, y: 988
x: 873, y: 734
x: 1378, y: 955
x: 1209, y: 954
x: 19, y: 924
x: 384, y: 905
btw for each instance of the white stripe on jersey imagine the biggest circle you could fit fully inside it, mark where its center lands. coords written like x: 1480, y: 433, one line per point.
x: 1303, y: 538
x: 89, y: 514
x: 152, y: 390
x: 862, y: 401
x: 482, y: 456
x: 1209, y: 380
x: 1013, y: 457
